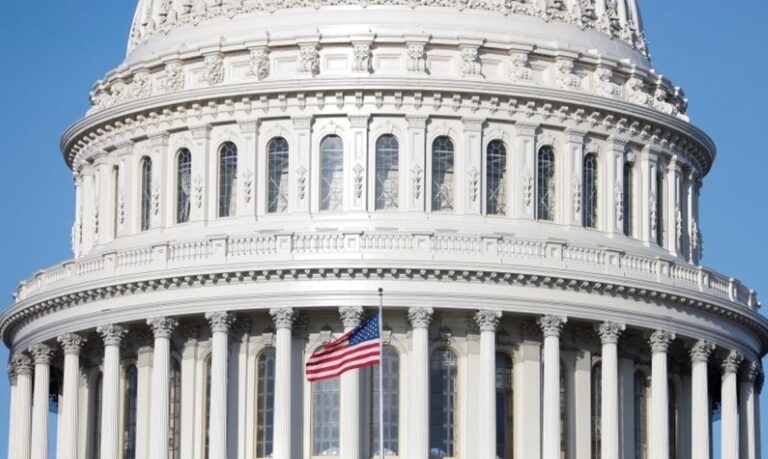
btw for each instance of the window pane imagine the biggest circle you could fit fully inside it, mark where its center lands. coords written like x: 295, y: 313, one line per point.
x: 146, y: 193
x: 504, y: 406
x: 331, y: 173
x: 391, y: 383
x: 129, y: 415
x: 278, y: 175
x: 628, y: 199
x: 387, y: 152
x: 442, y: 174
x: 227, y: 179
x: 325, y: 417
x: 496, y: 180
x: 590, y: 191
x: 442, y: 404
x: 265, y: 402
x: 183, y: 185
x: 545, y: 186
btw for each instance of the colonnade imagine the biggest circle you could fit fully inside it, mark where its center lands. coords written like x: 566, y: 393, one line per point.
x: 740, y: 385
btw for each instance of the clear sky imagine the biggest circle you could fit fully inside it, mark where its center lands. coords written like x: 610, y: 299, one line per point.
x: 54, y: 50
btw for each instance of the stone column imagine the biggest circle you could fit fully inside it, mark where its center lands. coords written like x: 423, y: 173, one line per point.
x: 350, y: 419
x: 283, y: 318
x: 700, y: 411
x: 609, y: 333
x: 217, y: 425
x: 525, y: 146
x: 12, y: 424
x: 42, y: 354
x: 23, y: 369
x: 729, y: 421
x: 551, y: 326
x: 110, y: 392
x: 189, y: 336
x: 71, y: 343
x: 420, y: 319
x: 487, y: 321
x: 162, y: 328
x: 660, y: 341
x: 748, y: 428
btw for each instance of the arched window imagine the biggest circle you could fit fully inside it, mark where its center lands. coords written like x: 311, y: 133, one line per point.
x: 597, y: 374
x: 564, y: 391
x: 589, y: 216
x: 174, y: 431
x: 391, y: 382
x: 443, y: 398
x: 545, y: 184
x: 331, y: 173
x: 130, y: 395
x: 265, y: 402
x: 227, y: 179
x: 387, y: 172
x: 642, y: 408
x: 628, y: 199
x: 183, y: 185
x: 146, y: 193
x: 277, y: 165
x: 325, y: 417
x: 96, y: 394
x: 442, y: 174
x: 504, y: 406
x: 660, y: 220
x: 496, y: 178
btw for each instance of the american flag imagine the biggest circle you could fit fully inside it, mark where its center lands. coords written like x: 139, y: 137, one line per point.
x: 356, y: 348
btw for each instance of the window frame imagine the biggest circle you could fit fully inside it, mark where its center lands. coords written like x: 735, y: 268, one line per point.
x: 257, y: 426
x: 551, y: 205
x: 179, y: 186
x: 285, y: 172
x: 145, y: 193
x: 376, y: 171
x: 231, y: 191
x: 503, y: 187
x: 321, y: 179
x: 456, y: 429
x: 451, y: 205
x: 590, y: 196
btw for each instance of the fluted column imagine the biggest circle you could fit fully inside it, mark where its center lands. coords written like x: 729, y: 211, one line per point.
x: 609, y: 333
x: 71, y: 344
x: 13, y: 403
x: 748, y: 428
x: 283, y: 318
x: 487, y: 321
x: 42, y: 354
x: 350, y: 395
x: 23, y: 369
x: 729, y: 421
x: 660, y: 342
x: 551, y: 326
x: 700, y: 412
x: 110, y: 391
x: 159, y: 424
x: 420, y: 319
x: 217, y: 425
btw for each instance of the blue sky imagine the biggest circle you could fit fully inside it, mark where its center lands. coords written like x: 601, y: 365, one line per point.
x: 54, y: 50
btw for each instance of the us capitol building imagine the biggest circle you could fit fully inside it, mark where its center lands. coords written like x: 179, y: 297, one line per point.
x: 514, y: 174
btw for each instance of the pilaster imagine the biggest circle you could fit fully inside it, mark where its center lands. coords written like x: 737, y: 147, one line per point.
x: 415, y: 174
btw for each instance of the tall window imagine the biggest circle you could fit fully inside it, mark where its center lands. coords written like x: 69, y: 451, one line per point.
x: 442, y: 174
x: 174, y: 431
x: 265, y: 402
x: 443, y: 399
x: 642, y: 408
x: 660, y: 220
x: 564, y: 391
x: 183, y: 185
x: 325, y: 417
x: 129, y: 415
x: 387, y: 183
x: 590, y: 191
x: 277, y: 165
x: 227, y: 179
x: 391, y: 382
x: 597, y: 374
x: 115, y: 200
x: 545, y: 184
x: 496, y: 178
x: 628, y: 199
x: 146, y: 193
x: 504, y: 413
x: 331, y: 173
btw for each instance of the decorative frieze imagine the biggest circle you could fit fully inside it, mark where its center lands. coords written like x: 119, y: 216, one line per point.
x: 259, y: 62
x: 309, y: 59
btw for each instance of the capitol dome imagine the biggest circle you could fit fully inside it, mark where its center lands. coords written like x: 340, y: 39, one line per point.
x: 515, y: 174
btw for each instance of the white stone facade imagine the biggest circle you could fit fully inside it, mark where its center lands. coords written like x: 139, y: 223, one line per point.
x: 525, y: 191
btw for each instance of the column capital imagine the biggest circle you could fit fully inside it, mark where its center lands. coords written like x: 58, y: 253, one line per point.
x: 112, y: 334
x: 488, y: 319
x: 22, y: 364
x: 162, y: 327
x: 351, y: 315
x: 220, y: 321
x: 41, y: 353
x: 660, y: 340
x: 751, y: 371
x: 420, y: 317
x: 552, y: 325
x: 609, y: 332
x: 71, y: 343
x: 731, y: 362
x: 701, y: 351
x: 11, y: 373
x: 283, y: 317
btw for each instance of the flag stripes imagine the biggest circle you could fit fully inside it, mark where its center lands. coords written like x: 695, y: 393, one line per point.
x: 357, y: 348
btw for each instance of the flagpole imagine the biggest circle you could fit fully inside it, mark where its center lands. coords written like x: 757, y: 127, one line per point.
x: 381, y: 373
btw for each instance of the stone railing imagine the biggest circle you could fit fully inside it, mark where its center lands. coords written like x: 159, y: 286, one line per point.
x: 470, y: 251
